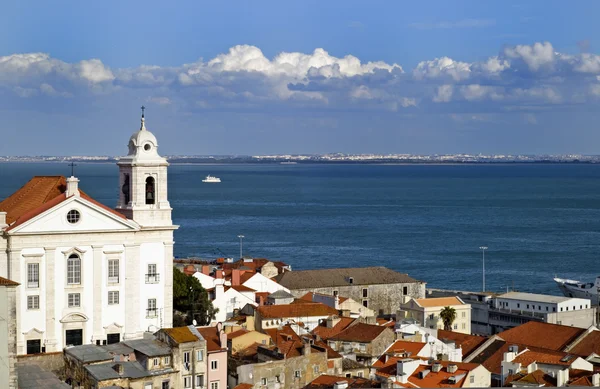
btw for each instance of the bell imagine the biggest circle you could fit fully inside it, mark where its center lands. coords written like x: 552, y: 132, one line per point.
x: 149, y: 196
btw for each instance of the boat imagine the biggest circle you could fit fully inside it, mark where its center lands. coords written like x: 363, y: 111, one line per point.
x: 210, y: 178
x: 578, y: 289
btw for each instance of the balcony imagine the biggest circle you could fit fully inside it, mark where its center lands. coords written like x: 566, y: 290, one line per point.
x: 151, y: 313
x: 113, y: 280
x: 33, y: 284
x: 152, y: 278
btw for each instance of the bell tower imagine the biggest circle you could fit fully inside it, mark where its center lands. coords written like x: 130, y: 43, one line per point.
x: 143, y: 181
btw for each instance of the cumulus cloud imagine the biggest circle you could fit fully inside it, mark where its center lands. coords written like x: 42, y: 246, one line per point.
x: 243, y: 78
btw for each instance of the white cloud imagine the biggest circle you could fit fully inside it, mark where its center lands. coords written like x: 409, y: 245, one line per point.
x: 535, y: 56
x: 444, y: 94
x: 443, y: 66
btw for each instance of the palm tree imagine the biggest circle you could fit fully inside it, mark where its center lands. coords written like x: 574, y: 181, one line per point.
x: 448, y: 315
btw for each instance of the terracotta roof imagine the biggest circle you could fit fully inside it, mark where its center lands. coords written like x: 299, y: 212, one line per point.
x: 212, y: 339
x: 254, y: 264
x: 181, y: 334
x: 7, y: 282
x: 432, y: 380
x: 325, y: 333
x: 439, y: 302
x: 287, y: 341
x: 243, y: 386
x: 543, y: 335
x: 402, y: 348
x: 468, y: 343
x: 37, y: 196
x: 235, y: 334
x: 242, y: 288
x: 386, y: 322
x: 361, y: 332
x: 581, y: 381
x: 537, y: 378
x: 321, y: 278
x: 328, y: 381
x: 295, y: 310
x: 588, y: 345
x: 546, y: 357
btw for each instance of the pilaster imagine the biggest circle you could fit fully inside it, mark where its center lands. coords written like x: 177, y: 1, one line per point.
x: 168, y: 285
x: 50, y: 298
x: 97, y: 294
x: 134, y: 308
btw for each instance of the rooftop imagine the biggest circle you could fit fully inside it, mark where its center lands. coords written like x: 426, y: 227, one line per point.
x: 34, y: 377
x: 149, y: 347
x: 325, y: 332
x: 213, y: 343
x: 588, y: 345
x: 328, y: 381
x: 88, y: 353
x: 542, y: 335
x: 183, y: 334
x: 361, y: 332
x: 7, y: 282
x: 295, y: 310
x: 281, y: 294
x: 322, y: 278
x: 106, y: 371
x: 439, y: 302
x: 538, y: 298
x: 468, y: 343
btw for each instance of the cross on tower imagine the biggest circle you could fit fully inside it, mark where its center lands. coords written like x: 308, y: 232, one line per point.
x: 143, y: 109
x: 72, y: 164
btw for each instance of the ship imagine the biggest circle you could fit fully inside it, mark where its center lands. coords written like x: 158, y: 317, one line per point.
x: 210, y: 178
x: 578, y: 289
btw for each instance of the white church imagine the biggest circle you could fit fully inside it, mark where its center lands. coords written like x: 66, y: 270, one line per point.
x: 89, y: 273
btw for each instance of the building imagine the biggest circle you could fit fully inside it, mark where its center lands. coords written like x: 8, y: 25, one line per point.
x: 514, y: 308
x: 362, y: 342
x: 280, y: 297
x: 427, y: 311
x: 8, y: 332
x: 481, y: 305
x: 216, y: 356
x: 377, y: 288
x: 344, y: 304
x: 89, y: 273
x: 309, y: 314
x: 188, y: 354
x: 242, y: 339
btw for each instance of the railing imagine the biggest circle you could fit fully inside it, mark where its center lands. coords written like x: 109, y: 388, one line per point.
x: 113, y: 280
x: 152, y: 278
x: 33, y: 284
x: 151, y: 313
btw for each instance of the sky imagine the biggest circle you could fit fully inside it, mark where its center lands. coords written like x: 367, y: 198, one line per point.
x: 309, y: 77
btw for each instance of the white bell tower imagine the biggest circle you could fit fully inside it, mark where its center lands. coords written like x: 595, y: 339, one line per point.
x: 143, y: 181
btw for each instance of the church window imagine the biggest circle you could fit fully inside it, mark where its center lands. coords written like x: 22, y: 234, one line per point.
x: 33, y: 302
x: 150, y: 192
x: 74, y: 270
x: 33, y: 275
x: 73, y: 216
x: 126, y: 189
x: 113, y: 297
x: 113, y: 271
x: 74, y: 300
x: 147, y: 147
x: 152, y: 275
x: 151, y: 311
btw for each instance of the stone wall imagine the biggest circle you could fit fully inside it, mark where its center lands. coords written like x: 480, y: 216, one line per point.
x: 53, y: 362
x: 383, y: 298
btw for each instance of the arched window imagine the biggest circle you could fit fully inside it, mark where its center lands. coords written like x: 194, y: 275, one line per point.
x: 74, y: 270
x: 150, y: 193
x: 125, y: 188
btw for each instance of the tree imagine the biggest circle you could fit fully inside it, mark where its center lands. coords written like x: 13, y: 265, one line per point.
x: 448, y: 315
x: 191, y: 301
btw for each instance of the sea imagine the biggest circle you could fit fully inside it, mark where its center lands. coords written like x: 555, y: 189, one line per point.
x: 537, y: 220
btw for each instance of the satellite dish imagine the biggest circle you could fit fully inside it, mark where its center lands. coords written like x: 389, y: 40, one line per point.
x: 194, y: 322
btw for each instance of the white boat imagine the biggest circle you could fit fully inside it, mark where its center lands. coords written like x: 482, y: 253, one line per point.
x: 578, y: 289
x: 210, y: 178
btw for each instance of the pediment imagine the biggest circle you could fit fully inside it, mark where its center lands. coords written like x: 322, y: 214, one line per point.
x: 74, y: 318
x: 113, y: 327
x: 92, y: 218
x: 33, y: 332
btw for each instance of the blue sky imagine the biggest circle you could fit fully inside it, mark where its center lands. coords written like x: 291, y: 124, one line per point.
x: 300, y: 77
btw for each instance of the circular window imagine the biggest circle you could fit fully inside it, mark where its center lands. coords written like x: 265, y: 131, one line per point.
x: 73, y: 216
x: 147, y: 147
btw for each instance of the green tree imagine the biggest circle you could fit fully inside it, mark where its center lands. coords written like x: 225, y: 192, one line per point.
x: 190, y: 301
x: 448, y: 315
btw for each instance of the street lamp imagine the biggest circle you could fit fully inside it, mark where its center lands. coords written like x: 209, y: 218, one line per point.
x: 241, y: 238
x: 483, y: 248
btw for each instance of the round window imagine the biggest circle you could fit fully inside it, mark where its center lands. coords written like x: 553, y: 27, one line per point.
x: 73, y: 216
x: 147, y: 147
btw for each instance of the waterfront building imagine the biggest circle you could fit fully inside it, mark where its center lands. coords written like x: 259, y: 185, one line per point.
x: 427, y: 312
x: 377, y: 288
x: 481, y: 305
x: 90, y: 273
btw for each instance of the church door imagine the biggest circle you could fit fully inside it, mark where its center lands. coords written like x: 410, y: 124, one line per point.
x: 74, y: 337
x: 34, y: 346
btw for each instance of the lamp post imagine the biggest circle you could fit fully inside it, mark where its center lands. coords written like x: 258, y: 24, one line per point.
x: 241, y: 238
x: 483, y: 248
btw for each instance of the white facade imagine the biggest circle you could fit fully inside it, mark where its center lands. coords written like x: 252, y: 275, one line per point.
x: 229, y: 300
x: 63, y: 266
x: 539, y: 303
x: 262, y: 284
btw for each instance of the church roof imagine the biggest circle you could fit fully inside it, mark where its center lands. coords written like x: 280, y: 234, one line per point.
x: 38, y: 195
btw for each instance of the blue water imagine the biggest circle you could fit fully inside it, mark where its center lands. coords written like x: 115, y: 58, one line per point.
x: 426, y: 220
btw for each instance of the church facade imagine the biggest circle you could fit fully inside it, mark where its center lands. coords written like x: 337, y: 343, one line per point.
x: 89, y: 273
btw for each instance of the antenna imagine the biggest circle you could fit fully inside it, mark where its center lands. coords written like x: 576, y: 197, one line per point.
x: 72, y: 164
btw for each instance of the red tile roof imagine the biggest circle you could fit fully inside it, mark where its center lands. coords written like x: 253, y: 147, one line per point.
x: 386, y: 322
x: 432, y: 380
x: 439, y: 302
x: 468, y: 343
x: 212, y: 339
x: 361, y: 332
x: 546, y: 357
x: 243, y: 386
x: 325, y: 333
x: 7, y: 282
x: 242, y: 288
x: 286, y: 340
x: 543, y: 335
x: 536, y: 378
x: 588, y: 345
x: 235, y: 334
x: 403, y: 349
x: 328, y: 381
x: 37, y: 196
x: 255, y: 264
x: 295, y: 310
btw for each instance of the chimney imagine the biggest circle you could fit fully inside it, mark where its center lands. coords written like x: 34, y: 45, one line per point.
x: 340, y: 385
x: 206, y: 270
x: 72, y: 186
x: 452, y: 368
x: 405, y: 368
x: 219, y: 274
x: 3, y: 220
x: 336, y: 303
x: 596, y: 379
x: 235, y: 277
x: 436, y: 367
x: 222, y: 336
x: 219, y: 291
x: 306, y: 349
